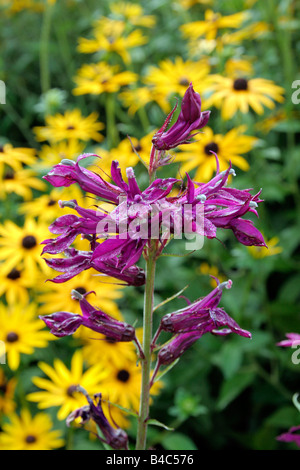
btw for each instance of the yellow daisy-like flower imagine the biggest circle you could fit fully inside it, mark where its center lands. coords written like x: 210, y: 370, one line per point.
x: 53, y: 154
x: 100, y: 78
x: 46, y: 207
x: 186, y: 4
x: 21, y: 246
x: 59, y: 389
x: 21, y: 331
x: 133, y: 14
x: 70, y: 125
x: 15, y: 157
x: 240, y: 94
x: 25, y: 432
x: 56, y: 297
x: 7, y: 390
x: 174, y: 77
x: 228, y: 147
x: 211, y: 24
x: 259, y: 252
x: 209, y: 270
x: 136, y: 98
x: 14, y: 285
x: 122, y: 384
x: 110, y: 36
x: 21, y: 182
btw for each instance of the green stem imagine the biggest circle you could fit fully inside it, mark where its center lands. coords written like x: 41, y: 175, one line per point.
x: 147, y: 338
x: 44, y: 49
x: 111, y: 129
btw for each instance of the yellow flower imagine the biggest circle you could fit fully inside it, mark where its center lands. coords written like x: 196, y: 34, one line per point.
x: 109, y: 36
x: 228, y: 147
x: 133, y: 14
x: 21, y: 246
x: 174, y: 77
x: 186, y: 4
x: 21, y: 182
x: 15, y: 157
x: 51, y: 155
x: 25, y: 432
x: 15, y: 6
x: 70, y: 125
x: 14, y: 285
x: 267, y: 124
x: 123, y: 382
x: 101, y: 78
x: 252, y: 31
x: 7, y: 390
x: 56, y: 297
x: 21, y: 331
x: 209, y: 270
x: 259, y: 252
x: 59, y: 389
x: 211, y: 24
x: 136, y: 98
x: 236, y: 67
x: 240, y: 94
x: 46, y: 207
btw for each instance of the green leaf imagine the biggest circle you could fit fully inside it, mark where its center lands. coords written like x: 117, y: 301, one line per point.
x: 178, y: 441
x: 130, y: 412
x: 232, y: 387
x: 155, y: 422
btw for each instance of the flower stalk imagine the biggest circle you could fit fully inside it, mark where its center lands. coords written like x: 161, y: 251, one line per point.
x: 147, y: 339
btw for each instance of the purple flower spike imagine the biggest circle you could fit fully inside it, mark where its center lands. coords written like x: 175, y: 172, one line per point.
x: 190, y: 119
x: 176, y: 347
x: 115, y: 438
x: 62, y: 323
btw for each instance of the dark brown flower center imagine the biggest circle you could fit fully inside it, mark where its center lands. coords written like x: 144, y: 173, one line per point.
x: 138, y: 147
x: 240, y: 84
x: 29, y: 242
x: 51, y: 202
x: 184, y: 81
x: 71, y: 389
x: 1, y: 149
x: 70, y: 128
x: 211, y: 147
x: 81, y: 290
x: 30, y: 439
x: 14, y: 274
x: 12, y: 337
x: 123, y: 375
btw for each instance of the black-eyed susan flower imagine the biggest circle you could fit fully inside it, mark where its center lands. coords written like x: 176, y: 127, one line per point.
x: 7, y: 391
x: 271, y: 249
x: 21, y: 332
x: 122, y: 384
x: 55, y: 297
x: 53, y: 154
x: 229, y: 147
x: 101, y: 77
x: 27, y: 432
x: 59, y: 389
x: 240, y: 94
x: 20, y: 182
x: 212, y: 23
x: 173, y: 77
x: 15, y: 158
x: 21, y: 246
x: 70, y: 125
x: 109, y: 35
x: 133, y: 14
x: 14, y: 285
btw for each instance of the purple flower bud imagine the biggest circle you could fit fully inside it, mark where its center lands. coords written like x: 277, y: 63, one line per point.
x: 292, y: 435
x: 62, y: 323
x: 293, y: 340
x: 190, y: 119
x: 176, y: 347
x: 115, y: 438
x: 246, y: 233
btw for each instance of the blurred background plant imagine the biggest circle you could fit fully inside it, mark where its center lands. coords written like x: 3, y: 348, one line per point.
x: 81, y: 76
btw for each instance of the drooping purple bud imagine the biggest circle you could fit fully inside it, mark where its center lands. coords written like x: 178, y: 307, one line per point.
x: 176, y: 347
x: 190, y: 119
x: 62, y: 323
x: 115, y: 438
x: 246, y: 233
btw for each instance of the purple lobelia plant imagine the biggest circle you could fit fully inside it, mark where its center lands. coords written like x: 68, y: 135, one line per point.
x: 140, y: 225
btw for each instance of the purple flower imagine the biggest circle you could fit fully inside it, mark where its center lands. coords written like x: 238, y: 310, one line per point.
x: 66, y: 323
x: 293, y: 340
x: 190, y: 119
x: 115, y: 438
x: 192, y: 322
x: 292, y: 435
